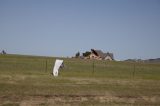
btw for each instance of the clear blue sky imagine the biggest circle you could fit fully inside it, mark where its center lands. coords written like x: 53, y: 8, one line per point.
x: 128, y: 28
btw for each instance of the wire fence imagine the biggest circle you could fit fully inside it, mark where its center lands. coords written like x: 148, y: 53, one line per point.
x: 80, y: 67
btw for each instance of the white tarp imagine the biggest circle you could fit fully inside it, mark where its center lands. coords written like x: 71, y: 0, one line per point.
x: 57, y: 65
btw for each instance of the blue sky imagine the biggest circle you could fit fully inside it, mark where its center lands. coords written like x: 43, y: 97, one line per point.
x: 128, y: 28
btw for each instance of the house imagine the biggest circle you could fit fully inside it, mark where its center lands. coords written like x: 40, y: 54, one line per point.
x: 99, y: 55
x: 3, y: 52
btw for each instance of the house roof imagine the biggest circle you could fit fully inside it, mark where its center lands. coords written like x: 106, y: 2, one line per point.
x: 101, y: 54
x: 110, y: 55
x: 97, y: 52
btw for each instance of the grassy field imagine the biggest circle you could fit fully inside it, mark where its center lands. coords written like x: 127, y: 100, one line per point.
x: 27, y: 81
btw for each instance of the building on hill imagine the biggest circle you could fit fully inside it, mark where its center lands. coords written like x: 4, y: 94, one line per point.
x: 99, y: 55
x: 3, y: 52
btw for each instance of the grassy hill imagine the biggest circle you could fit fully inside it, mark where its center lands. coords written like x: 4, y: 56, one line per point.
x: 27, y: 81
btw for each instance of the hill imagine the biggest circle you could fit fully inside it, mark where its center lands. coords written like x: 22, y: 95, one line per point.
x: 27, y: 80
x: 157, y: 60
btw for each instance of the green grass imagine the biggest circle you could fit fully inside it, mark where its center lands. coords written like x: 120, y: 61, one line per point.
x: 25, y: 80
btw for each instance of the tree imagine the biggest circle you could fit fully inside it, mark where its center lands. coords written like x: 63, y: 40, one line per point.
x: 87, y: 53
x: 77, y: 54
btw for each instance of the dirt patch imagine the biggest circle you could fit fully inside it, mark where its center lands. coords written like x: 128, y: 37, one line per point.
x: 49, y: 100
x: 101, y: 81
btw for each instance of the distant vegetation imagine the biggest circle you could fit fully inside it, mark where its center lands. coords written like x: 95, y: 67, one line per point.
x: 157, y: 60
x: 27, y: 80
x: 86, y: 54
x: 77, y: 54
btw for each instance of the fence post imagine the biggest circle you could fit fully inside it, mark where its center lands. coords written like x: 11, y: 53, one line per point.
x: 93, y: 67
x: 46, y: 66
x: 134, y: 69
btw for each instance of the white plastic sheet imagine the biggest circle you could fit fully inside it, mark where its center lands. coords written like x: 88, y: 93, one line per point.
x: 57, y: 65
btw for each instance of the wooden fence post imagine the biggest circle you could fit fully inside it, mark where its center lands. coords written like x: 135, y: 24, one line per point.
x: 46, y: 66
x: 134, y: 69
x: 93, y: 68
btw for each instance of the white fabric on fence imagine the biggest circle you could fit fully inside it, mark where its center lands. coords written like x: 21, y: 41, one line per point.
x: 57, y: 65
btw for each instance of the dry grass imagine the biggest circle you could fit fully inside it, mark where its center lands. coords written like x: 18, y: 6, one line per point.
x: 25, y: 82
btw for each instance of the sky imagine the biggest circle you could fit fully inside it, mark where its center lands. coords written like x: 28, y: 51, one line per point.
x: 127, y: 28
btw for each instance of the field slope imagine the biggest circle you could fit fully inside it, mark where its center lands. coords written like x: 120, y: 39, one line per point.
x: 27, y: 81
